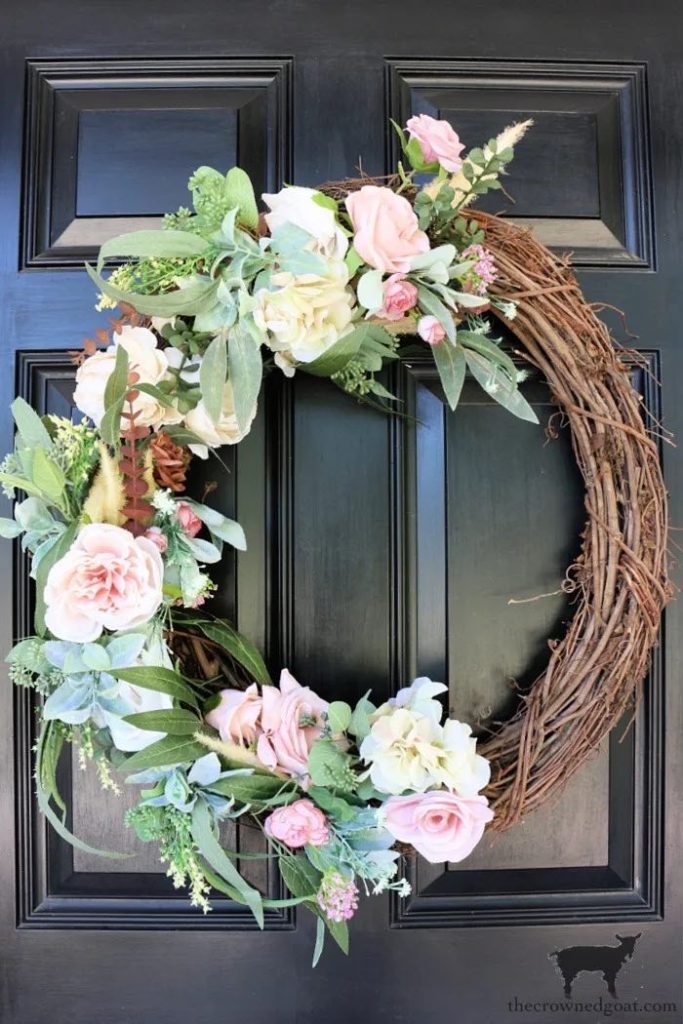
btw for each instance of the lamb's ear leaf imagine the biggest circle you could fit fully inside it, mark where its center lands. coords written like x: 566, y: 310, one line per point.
x: 190, y: 301
x: 240, y: 193
x: 31, y: 428
x: 212, y: 374
x: 246, y: 372
x: 155, y: 242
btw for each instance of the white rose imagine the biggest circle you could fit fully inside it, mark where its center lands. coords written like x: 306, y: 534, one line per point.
x: 296, y: 205
x: 226, y: 431
x: 148, y: 361
x: 304, y: 315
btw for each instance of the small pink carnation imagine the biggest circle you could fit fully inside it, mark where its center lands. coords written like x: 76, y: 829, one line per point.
x: 298, y: 824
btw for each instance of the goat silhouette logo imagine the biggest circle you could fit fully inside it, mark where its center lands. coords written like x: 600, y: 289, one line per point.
x: 607, y: 960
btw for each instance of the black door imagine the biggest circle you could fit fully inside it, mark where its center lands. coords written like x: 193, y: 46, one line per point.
x: 392, y: 553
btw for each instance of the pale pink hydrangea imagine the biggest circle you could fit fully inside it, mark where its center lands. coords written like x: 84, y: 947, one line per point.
x: 338, y: 897
x: 484, y: 270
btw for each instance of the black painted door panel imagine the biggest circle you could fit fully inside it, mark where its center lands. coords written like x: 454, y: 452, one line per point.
x: 377, y: 548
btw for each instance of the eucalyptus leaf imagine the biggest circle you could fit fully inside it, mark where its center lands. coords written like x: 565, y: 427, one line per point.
x: 299, y: 875
x: 248, y: 789
x: 210, y: 849
x: 338, y: 355
x: 162, y: 680
x: 170, y: 750
x: 497, y: 384
x: 49, y: 477
x: 369, y: 290
x: 452, y: 365
x: 339, y: 716
x: 175, y: 722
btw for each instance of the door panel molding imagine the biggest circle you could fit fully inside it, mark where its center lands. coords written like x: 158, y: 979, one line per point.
x: 628, y: 886
x: 591, y: 119
x: 86, y: 118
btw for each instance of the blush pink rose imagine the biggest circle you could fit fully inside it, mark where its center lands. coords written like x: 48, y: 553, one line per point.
x: 157, y: 538
x: 399, y: 296
x: 189, y: 521
x: 438, y: 142
x: 298, y: 824
x: 386, y: 232
x: 291, y: 722
x: 108, y: 579
x: 236, y: 717
x: 431, y: 330
x: 441, y: 826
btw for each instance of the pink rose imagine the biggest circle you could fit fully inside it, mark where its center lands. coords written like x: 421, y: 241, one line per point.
x: 387, y: 235
x: 291, y: 720
x: 190, y: 523
x: 108, y: 579
x: 431, y: 330
x: 399, y: 296
x: 298, y: 824
x: 157, y: 538
x: 438, y: 142
x: 236, y: 717
x: 441, y: 826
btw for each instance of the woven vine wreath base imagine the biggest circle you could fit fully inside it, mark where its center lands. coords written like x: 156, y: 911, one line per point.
x: 595, y: 674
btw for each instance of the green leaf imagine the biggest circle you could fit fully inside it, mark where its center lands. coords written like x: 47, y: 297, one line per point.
x: 369, y: 290
x: 30, y: 426
x: 211, y: 851
x: 9, y: 528
x: 53, y: 555
x: 110, y: 424
x: 181, y: 435
x: 241, y: 649
x: 319, y: 941
x: 152, y: 243
x: 188, y: 301
x: 339, y: 716
x: 431, y: 304
x: 117, y: 382
x: 360, y: 719
x: 331, y: 803
x: 338, y: 355
x: 221, y: 886
x: 497, y: 384
x: 326, y: 763
x: 49, y: 477
x: 162, y: 680
x: 451, y: 364
x: 492, y: 352
x: 175, y: 722
x: 339, y: 930
x: 212, y: 375
x: 246, y: 372
x: 20, y: 484
x: 327, y: 202
x: 161, y: 397
x: 165, y: 752
x: 248, y: 789
x: 299, y: 875
x: 240, y: 193
x: 353, y: 261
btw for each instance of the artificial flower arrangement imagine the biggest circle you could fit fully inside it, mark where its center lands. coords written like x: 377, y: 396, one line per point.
x: 127, y: 662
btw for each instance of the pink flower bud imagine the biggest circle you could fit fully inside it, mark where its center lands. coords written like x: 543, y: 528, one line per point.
x: 190, y: 523
x: 157, y: 538
x: 431, y: 330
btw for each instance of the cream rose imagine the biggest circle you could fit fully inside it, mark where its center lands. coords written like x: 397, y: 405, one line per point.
x: 387, y: 235
x: 296, y: 205
x: 304, y: 315
x: 144, y: 358
x: 108, y: 579
x: 226, y: 431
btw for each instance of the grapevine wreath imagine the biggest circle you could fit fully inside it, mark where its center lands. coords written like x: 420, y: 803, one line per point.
x: 128, y: 663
